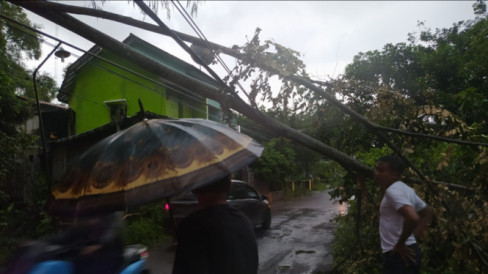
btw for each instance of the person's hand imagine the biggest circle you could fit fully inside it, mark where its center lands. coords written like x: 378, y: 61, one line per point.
x: 407, y: 254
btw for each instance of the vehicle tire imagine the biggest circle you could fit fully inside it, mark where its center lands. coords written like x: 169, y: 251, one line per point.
x: 267, y: 220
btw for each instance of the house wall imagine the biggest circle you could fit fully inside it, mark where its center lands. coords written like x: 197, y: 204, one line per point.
x: 99, y: 81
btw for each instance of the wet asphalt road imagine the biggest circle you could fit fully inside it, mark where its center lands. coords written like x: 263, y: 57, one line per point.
x: 299, y: 240
x: 300, y: 237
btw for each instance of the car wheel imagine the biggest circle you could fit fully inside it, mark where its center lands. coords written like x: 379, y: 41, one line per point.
x: 267, y: 220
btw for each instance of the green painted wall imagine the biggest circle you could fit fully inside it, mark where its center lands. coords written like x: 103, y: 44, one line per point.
x: 98, y: 81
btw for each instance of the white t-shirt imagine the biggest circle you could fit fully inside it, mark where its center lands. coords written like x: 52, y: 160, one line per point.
x: 396, y: 196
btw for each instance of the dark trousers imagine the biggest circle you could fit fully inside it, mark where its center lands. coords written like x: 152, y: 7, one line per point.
x: 394, y: 264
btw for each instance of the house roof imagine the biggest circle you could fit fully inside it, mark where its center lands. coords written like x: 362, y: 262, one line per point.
x: 141, y: 46
x: 108, y: 129
x: 45, y: 106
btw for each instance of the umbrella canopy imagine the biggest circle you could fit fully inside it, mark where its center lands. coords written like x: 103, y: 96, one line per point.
x: 150, y: 160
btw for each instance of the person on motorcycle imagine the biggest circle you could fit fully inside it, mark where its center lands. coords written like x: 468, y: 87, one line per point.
x: 97, y: 243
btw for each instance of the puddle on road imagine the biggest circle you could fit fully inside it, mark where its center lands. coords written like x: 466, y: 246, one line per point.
x: 307, y: 212
x: 325, y: 226
x: 277, y: 233
x: 300, y: 239
x: 304, y: 252
x: 283, y: 267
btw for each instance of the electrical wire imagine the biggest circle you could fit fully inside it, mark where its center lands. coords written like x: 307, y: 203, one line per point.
x: 187, y: 104
x: 122, y: 67
x: 202, y: 36
x: 142, y: 85
x: 171, y: 89
x: 173, y: 86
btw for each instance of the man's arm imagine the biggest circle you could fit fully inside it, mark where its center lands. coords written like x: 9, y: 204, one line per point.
x: 424, y: 220
x: 413, y: 222
x: 410, y: 222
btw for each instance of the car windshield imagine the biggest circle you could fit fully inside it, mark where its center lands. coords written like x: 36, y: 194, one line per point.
x: 242, y: 191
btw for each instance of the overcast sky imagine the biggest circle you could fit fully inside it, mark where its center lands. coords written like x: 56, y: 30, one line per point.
x: 327, y: 33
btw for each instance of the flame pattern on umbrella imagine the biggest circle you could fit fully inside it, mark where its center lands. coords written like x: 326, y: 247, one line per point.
x: 151, y: 160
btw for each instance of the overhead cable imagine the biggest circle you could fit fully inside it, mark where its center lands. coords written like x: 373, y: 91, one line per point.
x: 172, y: 89
x: 202, y: 36
x: 182, y: 44
x: 175, y: 87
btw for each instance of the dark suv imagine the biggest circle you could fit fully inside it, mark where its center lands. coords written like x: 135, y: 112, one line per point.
x: 241, y: 195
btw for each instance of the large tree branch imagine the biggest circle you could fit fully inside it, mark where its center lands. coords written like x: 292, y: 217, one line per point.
x: 271, y: 125
x: 356, y: 116
x: 165, y: 72
x: 219, y: 48
x: 439, y: 138
x: 129, y: 21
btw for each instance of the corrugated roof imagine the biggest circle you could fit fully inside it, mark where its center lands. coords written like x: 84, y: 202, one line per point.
x: 110, y: 128
x: 43, y: 103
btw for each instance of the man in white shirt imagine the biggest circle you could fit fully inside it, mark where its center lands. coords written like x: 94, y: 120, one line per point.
x: 403, y: 218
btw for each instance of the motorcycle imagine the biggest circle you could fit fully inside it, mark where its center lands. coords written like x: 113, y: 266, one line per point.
x: 44, y: 258
x: 135, y: 262
x: 91, y: 246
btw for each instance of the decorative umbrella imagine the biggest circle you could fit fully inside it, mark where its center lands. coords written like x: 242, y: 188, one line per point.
x: 151, y: 160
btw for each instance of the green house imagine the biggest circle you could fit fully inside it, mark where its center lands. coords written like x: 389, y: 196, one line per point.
x: 106, y: 89
x: 103, y: 91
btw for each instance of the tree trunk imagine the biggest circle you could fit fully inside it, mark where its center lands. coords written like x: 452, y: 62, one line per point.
x: 58, y: 7
x: 234, y: 53
x: 271, y: 125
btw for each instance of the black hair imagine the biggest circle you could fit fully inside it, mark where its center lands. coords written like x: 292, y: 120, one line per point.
x: 394, y: 162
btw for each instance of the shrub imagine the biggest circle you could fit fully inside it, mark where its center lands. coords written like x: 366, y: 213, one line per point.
x: 14, y: 227
x: 148, y: 226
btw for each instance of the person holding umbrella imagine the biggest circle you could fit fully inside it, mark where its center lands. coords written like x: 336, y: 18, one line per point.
x: 147, y: 162
x: 217, y: 238
x: 158, y: 158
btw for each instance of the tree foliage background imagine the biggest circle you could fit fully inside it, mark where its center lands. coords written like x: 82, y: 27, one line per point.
x: 16, y: 45
x: 435, y: 84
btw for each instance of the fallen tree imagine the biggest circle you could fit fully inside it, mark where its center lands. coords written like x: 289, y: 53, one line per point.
x: 272, y: 125
x: 58, y: 7
x: 57, y: 13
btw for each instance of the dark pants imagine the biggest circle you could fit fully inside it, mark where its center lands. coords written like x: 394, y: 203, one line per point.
x: 394, y: 264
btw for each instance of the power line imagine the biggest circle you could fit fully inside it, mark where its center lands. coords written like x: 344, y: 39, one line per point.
x: 142, y: 85
x: 202, y: 36
x: 192, y: 107
x: 228, y: 92
x: 191, y: 97
x: 169, y: 87
x: 173, y: 86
